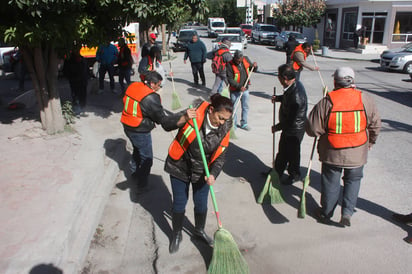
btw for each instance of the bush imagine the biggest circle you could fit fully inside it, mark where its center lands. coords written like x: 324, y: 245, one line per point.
x: 316, y: 45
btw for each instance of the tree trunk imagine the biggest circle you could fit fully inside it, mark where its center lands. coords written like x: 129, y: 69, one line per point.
x: 164, y: 44
x: 42, y: 66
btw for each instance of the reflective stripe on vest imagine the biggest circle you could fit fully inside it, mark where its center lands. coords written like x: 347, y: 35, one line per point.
x: 347, y: 120
x: 296, y: 66
x: 187, y: 135
x: 132, y: 114
x: 236, y: 72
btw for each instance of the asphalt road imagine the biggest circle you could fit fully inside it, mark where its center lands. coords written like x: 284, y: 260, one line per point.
x: 133, y: 235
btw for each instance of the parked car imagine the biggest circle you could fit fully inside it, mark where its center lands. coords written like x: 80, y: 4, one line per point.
x: 399, y: 59
x: 184, y: 37
x: 247, y: 29
x: 236, y: 42
x: 264, y: 33
x: 283, y: 37
x: 241, y: 34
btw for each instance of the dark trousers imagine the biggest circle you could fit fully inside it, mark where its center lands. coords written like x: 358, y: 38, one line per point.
x: 330, y: 188
x: 124, y: 75
x: 102, y: 72
x: 180, y: 191
x: 289, y: 155
x: 198, y: 68
x: 355, y: 41
x: 142, y: 155
x: 79, y: 92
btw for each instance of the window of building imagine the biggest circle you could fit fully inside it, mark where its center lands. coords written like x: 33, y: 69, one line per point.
x: 375, y: 26
x: 402, y: 29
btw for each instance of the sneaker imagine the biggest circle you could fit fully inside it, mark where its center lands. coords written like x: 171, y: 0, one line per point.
x: 245, y: 127
x: 321, y: 218
x: 345, y: 220
x: 291, y: 180
x: 408, y: 240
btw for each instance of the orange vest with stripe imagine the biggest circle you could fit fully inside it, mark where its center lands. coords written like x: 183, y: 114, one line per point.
x: 296, y: 66
x: 236, y: 72
x: 187, y: 135
x: 132, y: 114
x: 347, y: 120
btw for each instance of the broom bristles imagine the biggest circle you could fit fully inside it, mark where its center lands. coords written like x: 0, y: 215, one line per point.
x: 232, y: 133
x: 176, y: 104
x: 227, y: 258
x: 225, y: 92
x: 302, y: 206
x: 274, y: 189
x: 265, y: 190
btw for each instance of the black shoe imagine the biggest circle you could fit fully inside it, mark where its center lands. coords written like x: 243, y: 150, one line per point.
x: 407, y: 219
x: 291, y: 180
x: 345, y: 220
x: 203, y: 84
x: 200, y: 221
x: 176, y: 240
x: 321, y: 218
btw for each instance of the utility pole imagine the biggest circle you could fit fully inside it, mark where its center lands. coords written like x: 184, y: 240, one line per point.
x: 249, y: 11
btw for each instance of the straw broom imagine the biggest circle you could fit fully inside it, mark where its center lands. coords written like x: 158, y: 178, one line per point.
x: 272, y: 184
x: 176, y: 104
x: 227, y: 258
x: 306, y: 182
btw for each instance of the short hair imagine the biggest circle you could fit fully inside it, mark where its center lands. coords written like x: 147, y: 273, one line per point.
x: 286, y: 72
x: 220, y: 103
x: 153, y: 77
x: 306, y: 45
x: 237, y: 54
x: 155, y: 52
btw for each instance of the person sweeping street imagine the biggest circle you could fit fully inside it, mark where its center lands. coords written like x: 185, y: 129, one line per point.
x: 347, y: 123
x: 298, y: 57
x: 185, y: 166
x: 292, y: 118
x: 237, y: 73
x: 142, y: 110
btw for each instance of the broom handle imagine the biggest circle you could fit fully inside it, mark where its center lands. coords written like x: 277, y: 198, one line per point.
x: 212, y: 193
x: 171, y: 74
x: 274, y: 122
x: 237, y: 103
x: 325, y: 91
x: 316, y: 64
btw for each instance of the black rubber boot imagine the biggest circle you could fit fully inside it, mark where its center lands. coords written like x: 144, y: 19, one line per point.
x: 200, y: 221
x: 177, y: 222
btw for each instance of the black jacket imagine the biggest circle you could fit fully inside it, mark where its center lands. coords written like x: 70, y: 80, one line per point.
x: 189, y: 168
x: 292, y: 112
x: 153, y: 113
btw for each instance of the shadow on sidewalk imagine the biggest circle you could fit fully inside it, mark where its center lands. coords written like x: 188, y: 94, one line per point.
x: 241, y: 168
x: 157, y: 201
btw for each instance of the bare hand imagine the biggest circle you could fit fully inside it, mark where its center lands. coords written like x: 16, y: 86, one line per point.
x: 184, y: 61
x: 242, y: 89
x: 274, y: 98
x: 254, y: 64
x: 191, y: 113
x: 211, y: 180
x: 317, y: 68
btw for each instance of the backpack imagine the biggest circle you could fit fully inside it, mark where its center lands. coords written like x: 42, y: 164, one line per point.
x: 218, y: 64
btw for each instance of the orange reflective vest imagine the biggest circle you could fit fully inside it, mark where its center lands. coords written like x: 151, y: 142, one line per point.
x: 236, y: 72
x: 132, y: 114
x: 187, y: 135
x: 347, y: 120
x: 296, y: 66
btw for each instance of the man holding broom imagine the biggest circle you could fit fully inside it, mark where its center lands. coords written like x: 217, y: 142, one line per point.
x: 347, y: 123
x: 238, y: 71
x: 292, y: 117
x: 299, y: 55
x: 142, y: 109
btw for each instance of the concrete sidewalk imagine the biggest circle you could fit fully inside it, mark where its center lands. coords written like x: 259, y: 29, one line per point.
x: 348, y: 54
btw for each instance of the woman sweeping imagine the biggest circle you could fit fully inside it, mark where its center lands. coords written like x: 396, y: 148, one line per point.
x: 184, y: 164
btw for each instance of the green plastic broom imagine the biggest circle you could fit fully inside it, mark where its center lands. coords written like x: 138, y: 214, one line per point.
x: 176, y: 104
x: 226, y: 258
x: 306, y: 182
x: 271, y: 190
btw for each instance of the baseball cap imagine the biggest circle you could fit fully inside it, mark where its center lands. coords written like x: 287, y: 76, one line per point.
x: 344, y: 73
x: 153, y: 35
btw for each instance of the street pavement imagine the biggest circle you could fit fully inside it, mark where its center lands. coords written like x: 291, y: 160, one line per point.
x: 67, y: 202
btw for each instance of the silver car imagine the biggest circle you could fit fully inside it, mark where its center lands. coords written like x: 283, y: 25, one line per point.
x: 283, y: 37
x: 399, y: 59
x: 241, y: 34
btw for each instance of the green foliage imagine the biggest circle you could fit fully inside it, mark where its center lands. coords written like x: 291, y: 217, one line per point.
x: 67, y: 111
x: 304, y: 13
x: 316, y: 44
x: 227, y: 9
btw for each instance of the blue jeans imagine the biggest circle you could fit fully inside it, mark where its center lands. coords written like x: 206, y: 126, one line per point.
x: 124, y: 74
x: 244, y: 101
x: 102, y: 72
x: 180, y: 191
x: 330, y: 183
x: 219, y: 84
x: 142, y: 155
